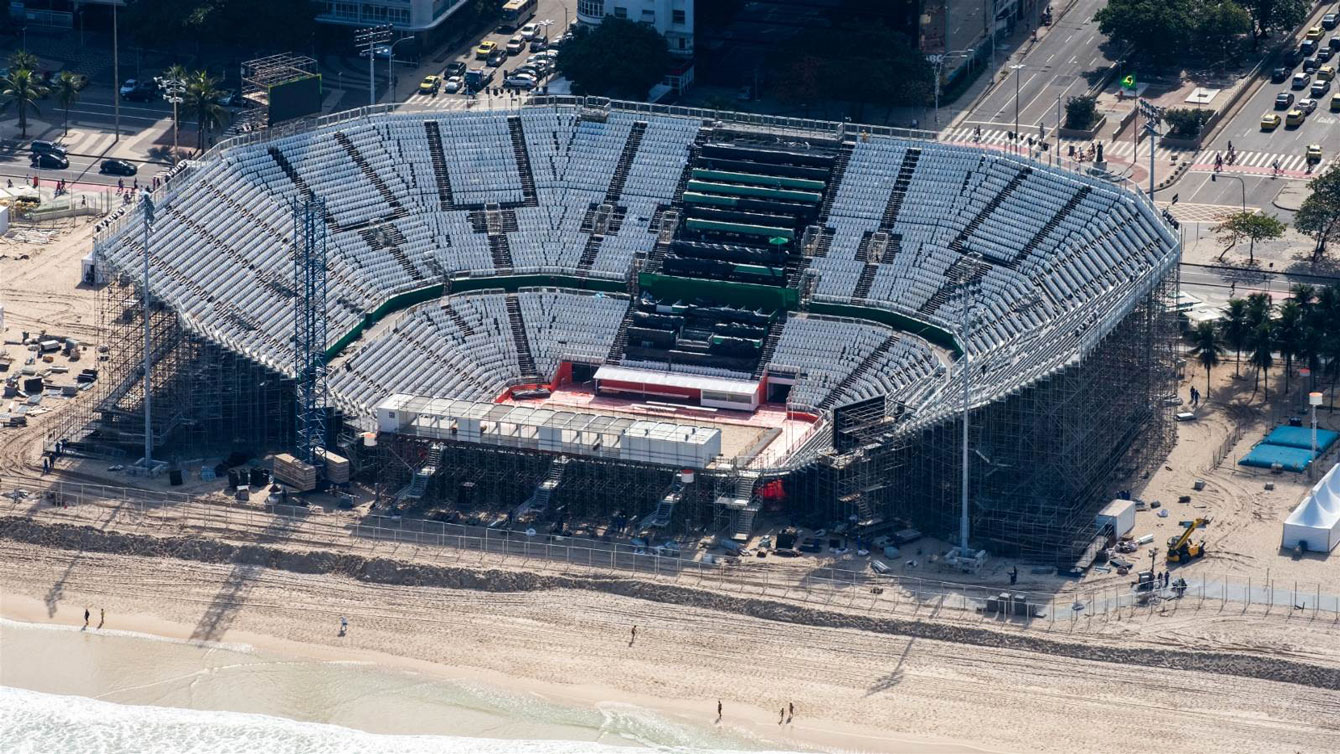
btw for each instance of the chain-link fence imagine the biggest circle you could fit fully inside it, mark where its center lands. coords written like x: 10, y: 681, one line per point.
x: 847, y: 582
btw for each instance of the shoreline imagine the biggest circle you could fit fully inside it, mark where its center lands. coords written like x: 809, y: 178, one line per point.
x: 750, y: 722
x: 854, y: 690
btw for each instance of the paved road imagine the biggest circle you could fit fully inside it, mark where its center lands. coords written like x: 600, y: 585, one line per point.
x: 1062, y: 64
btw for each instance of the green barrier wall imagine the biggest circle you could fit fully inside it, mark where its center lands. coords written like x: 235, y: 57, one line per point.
x: 669, y: 288
x: 776, y: 181
x: 939, y: 336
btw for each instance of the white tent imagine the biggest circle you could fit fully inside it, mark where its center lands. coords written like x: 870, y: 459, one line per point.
x: 1315, y: 523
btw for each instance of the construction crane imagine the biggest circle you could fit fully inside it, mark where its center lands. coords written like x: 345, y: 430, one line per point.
x: 1181, y: 549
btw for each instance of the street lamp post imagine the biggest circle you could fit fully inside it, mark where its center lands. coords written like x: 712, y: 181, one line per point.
x: 390, y: 63
x: 371, y: 37
x: 116, y: 75
x: 173, y: 89
x: 937, y: 60
x: 1215, y: 176
x: 1017, y: 67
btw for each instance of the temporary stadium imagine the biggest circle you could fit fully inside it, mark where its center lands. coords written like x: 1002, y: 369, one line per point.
x: 682, y: 320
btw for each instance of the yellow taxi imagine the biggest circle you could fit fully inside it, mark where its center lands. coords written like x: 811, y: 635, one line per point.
x: 1294, y: 117
x: 1313, y: 153
x: 430, y: 84
x: 1271, y: 121
x: 485, y: 49
x: 1326, y: 73
x: 1315, y: 33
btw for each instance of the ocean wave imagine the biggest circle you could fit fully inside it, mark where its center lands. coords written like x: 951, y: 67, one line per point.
x: 36, y: 722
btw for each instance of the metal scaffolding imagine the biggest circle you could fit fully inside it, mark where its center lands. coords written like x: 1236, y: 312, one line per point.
x: 309, y: 325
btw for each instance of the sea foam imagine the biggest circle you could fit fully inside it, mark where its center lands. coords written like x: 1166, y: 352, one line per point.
x: 36, y: 722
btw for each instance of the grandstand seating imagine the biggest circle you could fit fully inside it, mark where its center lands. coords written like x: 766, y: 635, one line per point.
x: 407, y: 192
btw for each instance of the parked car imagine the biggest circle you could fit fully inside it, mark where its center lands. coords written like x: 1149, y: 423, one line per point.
x: 1301, y: 81
x: 1319, y: 88
x: 1310, y: 65
x: 485, y: 49
x: 430, y: 84
x: 117, y: 167
x: 1270, y: 122
x: 519, y: 81
x: 497, y: 57
x: 1279, y: 75
x: 454, y: 84
x: 46, y: 147
x: 1307, y: 104
x: 1315, y: 33
x: 455, y: 68
x: 1283, y: 101
x: 138, y: 91
x: 529, y: 31
x: 1324, y: 54
x: 1294, y: 118
x: 50, y: 161
x: 1334, y: 43
x: 1335, y: 102
x: 1329, y: 21
x: 539, y: 44
x: 1326, y: 72
x: 1308, y: 47
x: 516, y: 45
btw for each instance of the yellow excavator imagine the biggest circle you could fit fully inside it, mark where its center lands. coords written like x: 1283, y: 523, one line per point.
x: 1181, y: 549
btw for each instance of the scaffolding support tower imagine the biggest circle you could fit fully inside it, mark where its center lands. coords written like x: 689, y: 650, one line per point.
x: 309, y: 321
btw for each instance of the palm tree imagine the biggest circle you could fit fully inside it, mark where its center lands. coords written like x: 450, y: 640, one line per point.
x: 1303, y: 293
x: 1207, y: 348
x: 22, y: 59
x: 1288, y: 335
x: 1263, y: 345
x: 1258, y: 309
x: 202, y: 101
x: 66, y: 89
x: 21, y: 87
x: 1236, y: 328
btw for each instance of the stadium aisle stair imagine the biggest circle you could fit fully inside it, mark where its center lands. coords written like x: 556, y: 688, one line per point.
x: 665, y: 508
x: 589, y: 252
x: 1051, y: 225
x: 522, y: 155
x: 382, y: 238
x: 900, y: 186
x: 625, y: 162
x: 439, y: 160
x: 392, y: 201
x: 293, y: 176
x: 523, y: 356
x: 458, y: 320
x: 835, y: 180
x: 501, y: 250
x: 744, y: 521
x: 855, y: 375
x: 962, y: 272
x: 419, y: 484
x: 538, y: 501
x: 996, y: 201
x: 770, y: 344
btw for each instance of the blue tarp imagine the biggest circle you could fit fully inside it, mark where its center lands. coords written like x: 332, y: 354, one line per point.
x: 1301, y: 437
x: 1265, y: 455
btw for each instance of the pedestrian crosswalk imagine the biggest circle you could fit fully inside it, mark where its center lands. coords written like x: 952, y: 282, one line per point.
x: 1122, y: 150
x: 1253, y: 162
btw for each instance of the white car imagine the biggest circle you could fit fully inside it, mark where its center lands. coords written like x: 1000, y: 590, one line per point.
x: 529, y: 31
x: 454, y: 84
x: 519, y: 81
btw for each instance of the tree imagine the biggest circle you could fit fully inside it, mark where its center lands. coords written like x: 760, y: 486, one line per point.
x: 1263, y: 346
x: 1251, y: 226
x: 1303, y: 293
x: 818, y: 63
x: 1217, y: 28
x: 1207, y: 348
x: 22, y: 88
x: 22, y: 59
x: 250, y: 24
x: 201, y: 100
x: 1156, y: 30
x: 1081, y: 112
x: 1289, y: 331
x: 1275, y: 15
x: 66, y: 90
x: 1319, y: 215
x: 1185, y: 122
x: 1236, y: 328
x: 618, y: 58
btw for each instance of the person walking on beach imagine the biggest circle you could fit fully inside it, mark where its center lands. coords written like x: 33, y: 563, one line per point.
x: 102, y: 616
x: 790, y: 711
x: 718, y: 710
x: 781, y: 718
x: 86, y: 617
x: 633, y: 637
x: 344, y: 625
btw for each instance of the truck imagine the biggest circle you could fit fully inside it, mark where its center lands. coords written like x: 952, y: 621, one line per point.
x: 478, y: 78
